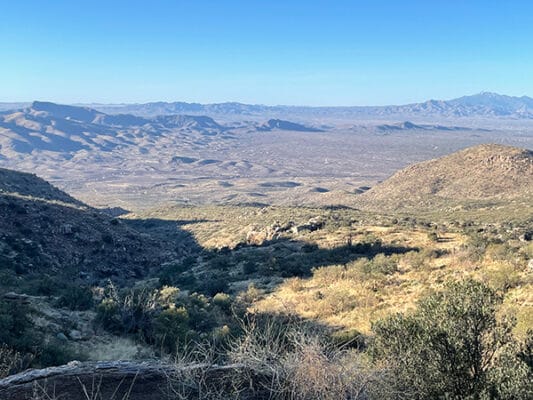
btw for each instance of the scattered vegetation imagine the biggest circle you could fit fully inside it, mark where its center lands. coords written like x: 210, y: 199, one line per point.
x: 398, y: 308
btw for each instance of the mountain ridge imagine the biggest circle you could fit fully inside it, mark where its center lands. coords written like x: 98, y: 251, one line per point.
x: 483, y: 104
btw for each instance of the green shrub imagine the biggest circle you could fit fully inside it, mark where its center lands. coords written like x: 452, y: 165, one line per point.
x: 17, y: 328
x: 171, y: 328
x: 223, y: 301
x: 77, y: 298
x: 56, y: 353
x: 107, y: 315
x: 448, y: 347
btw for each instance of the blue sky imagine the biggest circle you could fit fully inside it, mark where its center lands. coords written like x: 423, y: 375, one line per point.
x: 270, y: 52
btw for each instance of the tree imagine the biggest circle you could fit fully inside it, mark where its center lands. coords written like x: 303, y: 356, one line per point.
x: 452, y: 347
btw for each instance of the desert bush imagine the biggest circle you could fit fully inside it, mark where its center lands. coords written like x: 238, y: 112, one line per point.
x: 285, y: 358
x: 295, y: 284
x: 127, y: 312
x: 46, y: 286
x: 449, y: 347
x: 164, y: 317
x: 215, y: 283
x: 512, y: 373
x: 77, y: 298
x: 420, y: 259
x: 168, y: 295
x: 55, y: 352
x: 249, y: 267
x: 502, y: 252
x: 433, y: 236
x: 223, y: 301
x: 17, y: 327
x: 171, y: 328
x: 380, y: 264
x: 476, y: 246
x: 502, y: 277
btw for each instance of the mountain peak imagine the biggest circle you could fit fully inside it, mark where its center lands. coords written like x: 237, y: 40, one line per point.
x: 486, y: 93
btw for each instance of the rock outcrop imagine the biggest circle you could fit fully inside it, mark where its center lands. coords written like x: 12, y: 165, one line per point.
x: 107, y: 380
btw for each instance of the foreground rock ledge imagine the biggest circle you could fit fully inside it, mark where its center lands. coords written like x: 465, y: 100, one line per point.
x: 108, y: 380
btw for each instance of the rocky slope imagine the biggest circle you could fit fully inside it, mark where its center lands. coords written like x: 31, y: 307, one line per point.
x: 481, y: 173
x: 44, y: 231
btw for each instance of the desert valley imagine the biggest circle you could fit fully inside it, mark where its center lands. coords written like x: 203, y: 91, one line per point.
x: 178, y: 250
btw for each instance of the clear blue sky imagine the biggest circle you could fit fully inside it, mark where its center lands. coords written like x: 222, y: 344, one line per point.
x: 264, y: 51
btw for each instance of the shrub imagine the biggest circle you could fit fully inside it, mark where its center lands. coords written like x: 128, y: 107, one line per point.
x: 249, y: 267
x: 214, y: 284
x: 17, y: 328
x: 433, y: 236
x: 56, y: 353
x: 171, y: 328
x: 286, y: 358
x: 77, y: 298
x: 503, y: 277
x: 128, y: 312
x: 223, y: 301
x: 419, y: 259
x: 447, y: 348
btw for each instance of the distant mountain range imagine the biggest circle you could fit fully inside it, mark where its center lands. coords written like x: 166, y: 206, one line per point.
x: 485, y: 104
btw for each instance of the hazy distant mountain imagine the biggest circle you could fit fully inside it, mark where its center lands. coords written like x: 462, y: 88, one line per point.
x: 64, y: 129
x: 188, y: 121
x: 278, y: 124
x: 410, y: 126
x: 13, y: 106
x: 484, y: 104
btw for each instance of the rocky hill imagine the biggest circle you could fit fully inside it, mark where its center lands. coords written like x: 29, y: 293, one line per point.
x: 44, y: 231
x: 483, y: 173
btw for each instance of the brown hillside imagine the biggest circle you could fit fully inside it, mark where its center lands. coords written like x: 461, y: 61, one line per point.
x: 485, y: 172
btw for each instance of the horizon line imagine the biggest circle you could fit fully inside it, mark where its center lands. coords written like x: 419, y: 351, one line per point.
x: 111, y: 104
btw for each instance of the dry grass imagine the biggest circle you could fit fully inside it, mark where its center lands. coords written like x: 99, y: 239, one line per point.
x: 9, y: 361
x: 344, y: 297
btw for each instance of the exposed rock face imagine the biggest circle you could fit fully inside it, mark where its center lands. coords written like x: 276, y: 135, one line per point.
x: 106, y: 380
x: 147, y: 381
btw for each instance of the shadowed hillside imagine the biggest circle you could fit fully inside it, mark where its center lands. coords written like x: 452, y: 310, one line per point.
x: 44, y: 231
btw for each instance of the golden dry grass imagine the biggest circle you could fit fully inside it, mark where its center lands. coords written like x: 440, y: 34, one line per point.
x: 343, y: 297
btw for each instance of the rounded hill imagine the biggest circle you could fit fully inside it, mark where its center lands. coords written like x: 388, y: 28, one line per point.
x: 487, y: 172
